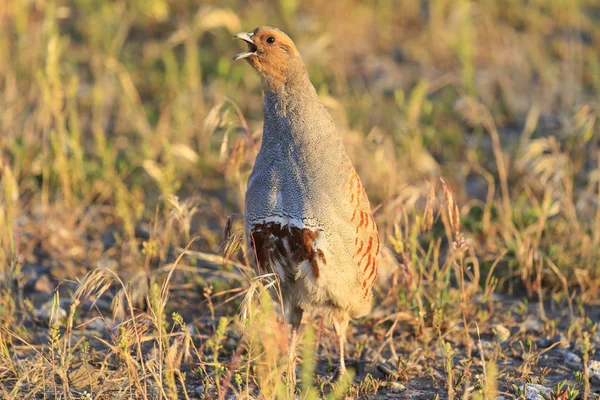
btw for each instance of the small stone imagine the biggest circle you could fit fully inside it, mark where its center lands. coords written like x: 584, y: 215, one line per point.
x: 594, y: 371
x: 486, y: 346
x: 502, y: 333
x: 416, y: 394
x: 388, y: 370
x: 560, y: 338
x: 142, y: 231
x: 98, y: 325
x: 570, y: 357
x: 83, y: 376
x: 109, y: 240
x: 45, y: 312
x: 397, y: 387
x: 534, y: 391
x: 43, y: 284
x: 531, y: 324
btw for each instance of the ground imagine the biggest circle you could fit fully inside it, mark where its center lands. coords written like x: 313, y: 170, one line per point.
x: 127, y: 137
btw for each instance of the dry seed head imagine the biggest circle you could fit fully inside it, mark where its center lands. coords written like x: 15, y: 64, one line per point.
x: 453, y: 213
x: 474, y: 113
x: 256, y: 284
x: 451, y: 207
x: 231, y: 240
x: 178, y: 352
x: 227, y: 229
x: 130, y: 328
x: 213, y: 119
x: 95, y: 283
x: 117, y: 305
x: 430, y: 205
x: 459, y: 242
x: 130, y: 296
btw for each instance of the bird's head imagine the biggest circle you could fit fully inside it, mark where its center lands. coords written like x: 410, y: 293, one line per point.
x: 273, y: 54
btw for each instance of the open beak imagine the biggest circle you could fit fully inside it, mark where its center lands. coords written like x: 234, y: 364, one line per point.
x: 246, y: 37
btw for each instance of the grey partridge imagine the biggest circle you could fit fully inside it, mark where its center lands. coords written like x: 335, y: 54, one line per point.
x: 308, y: 217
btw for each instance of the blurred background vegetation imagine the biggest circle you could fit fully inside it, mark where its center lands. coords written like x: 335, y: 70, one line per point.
x: 109, y: 107
x: 126, y: 130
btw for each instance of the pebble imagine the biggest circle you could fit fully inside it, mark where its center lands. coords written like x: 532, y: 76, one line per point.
x: 397, y: 387
x: 534, y: 391
x: 98, y: 324
x: 109, y: 240
x: 84, y: 376
x: 45, y: 311
x: 559, y: 338
x: 43, y: 284
x: 570, y: 357
x: 502, y: 333
x: 531, y: 324
x: 594, y: 371
x: 488, y: 347
x: 388, y: 370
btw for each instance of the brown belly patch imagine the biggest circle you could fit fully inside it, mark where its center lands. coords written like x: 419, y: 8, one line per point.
x: 287, y: 245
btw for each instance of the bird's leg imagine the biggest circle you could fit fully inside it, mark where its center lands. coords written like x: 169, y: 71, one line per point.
x: 294, y: 318
x: 341, y: 325
x: 293, y: 343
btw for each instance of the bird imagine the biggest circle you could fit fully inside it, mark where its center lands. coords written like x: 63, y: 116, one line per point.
x: 307, y: 215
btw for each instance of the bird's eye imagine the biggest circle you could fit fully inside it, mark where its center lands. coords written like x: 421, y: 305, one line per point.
x: 271, y: 39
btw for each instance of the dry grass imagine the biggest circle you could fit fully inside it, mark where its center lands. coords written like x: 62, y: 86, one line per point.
x: 126, y: 138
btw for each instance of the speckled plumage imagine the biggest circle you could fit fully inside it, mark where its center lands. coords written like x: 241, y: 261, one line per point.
x: 303, y: 188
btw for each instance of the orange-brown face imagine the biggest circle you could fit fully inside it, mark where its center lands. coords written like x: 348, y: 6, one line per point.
x: 270, y: 52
